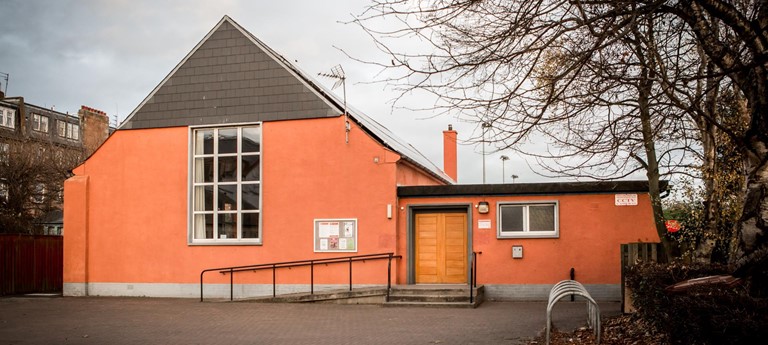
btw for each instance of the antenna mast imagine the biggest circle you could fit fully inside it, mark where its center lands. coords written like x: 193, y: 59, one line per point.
x: 337, y: 73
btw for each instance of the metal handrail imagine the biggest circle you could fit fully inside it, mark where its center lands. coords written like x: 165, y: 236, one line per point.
x: 473, y: 277
x: 311, y: 263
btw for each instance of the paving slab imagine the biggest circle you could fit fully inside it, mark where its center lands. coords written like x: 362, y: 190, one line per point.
x: 89, y: 320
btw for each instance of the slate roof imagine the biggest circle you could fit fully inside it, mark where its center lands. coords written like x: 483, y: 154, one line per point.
x: 231, y: 76
x: 558, y: 188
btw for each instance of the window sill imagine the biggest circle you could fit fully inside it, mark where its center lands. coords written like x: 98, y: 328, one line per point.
x: 527, y: 235
x: 225, y: 243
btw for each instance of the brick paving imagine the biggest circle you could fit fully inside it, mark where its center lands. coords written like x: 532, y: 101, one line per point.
x: 28, y: 320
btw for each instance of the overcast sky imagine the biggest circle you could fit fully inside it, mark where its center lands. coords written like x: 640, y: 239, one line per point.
x: 109, y: 55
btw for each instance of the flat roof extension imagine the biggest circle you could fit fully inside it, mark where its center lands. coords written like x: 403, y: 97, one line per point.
x: 556, y: 188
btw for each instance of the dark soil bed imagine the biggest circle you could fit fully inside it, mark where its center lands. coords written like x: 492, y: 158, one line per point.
x: 623, y: 329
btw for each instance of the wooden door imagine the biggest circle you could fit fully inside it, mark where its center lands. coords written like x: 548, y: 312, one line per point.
x: 441, y: 248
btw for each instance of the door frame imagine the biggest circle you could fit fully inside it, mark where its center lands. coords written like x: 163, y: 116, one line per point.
x: 411, y: 211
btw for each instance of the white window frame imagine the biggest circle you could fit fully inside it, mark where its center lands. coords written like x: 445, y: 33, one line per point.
x: 39, y: 191
x: 61, y: 128
x: 76, y: 132
x: 68, y: 130
x: 40, y: 123
x: 73, y: 131
x: 5, y: 152
x: 239, y: 212
x: 7, y: 118
x: 3, y: 192
x: 527, y: 233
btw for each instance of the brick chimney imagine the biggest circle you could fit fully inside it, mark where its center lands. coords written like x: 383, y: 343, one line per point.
x: 95, y: 128
x: 449, y: 153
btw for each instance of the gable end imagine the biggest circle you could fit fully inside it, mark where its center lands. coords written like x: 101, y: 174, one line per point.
x: 228, y: 78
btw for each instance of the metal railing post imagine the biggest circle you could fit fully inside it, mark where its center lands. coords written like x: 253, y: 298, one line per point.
x: 472, y: 279
x: 312, y: 277
x: 231, y: 285
x: 573, y: 277
x: 389, y: 276
x: 473, y: 282
x: 274, y: 282
x: 350, y: 274
x: 201, y: 285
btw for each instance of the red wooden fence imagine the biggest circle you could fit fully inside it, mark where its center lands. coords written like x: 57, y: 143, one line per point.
x: 31, y: 264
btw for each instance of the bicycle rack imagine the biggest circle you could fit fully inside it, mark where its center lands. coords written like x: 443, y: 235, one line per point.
x: 572, y: 287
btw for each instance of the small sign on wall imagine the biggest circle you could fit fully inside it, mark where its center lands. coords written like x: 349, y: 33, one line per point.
x: 484, y: 224
x: 625, y: 199
x: 336, y: 235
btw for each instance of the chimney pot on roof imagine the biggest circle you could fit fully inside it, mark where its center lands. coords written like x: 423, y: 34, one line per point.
x: 450, y: 161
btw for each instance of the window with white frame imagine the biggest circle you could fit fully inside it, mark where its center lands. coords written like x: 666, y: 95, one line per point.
x: 40, y: 123
x: 73, y: 131
x: 3, y: 192
x: 5, y: 152
x: 7, y: 118
x: 61, y: 128
x: 38, y: 193
x: 68, y: 130
x: 534, y: 219
x: 226, y: 185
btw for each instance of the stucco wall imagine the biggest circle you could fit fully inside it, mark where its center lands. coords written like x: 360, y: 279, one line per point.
x: 409, y: 175
x: 591, y: 229
x: 132, y: 198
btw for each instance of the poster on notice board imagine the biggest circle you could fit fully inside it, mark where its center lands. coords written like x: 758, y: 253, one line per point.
x: 336, y: 235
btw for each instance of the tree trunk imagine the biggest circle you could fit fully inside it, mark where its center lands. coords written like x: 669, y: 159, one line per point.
x: 752, y: 253
x: 710, y: 173
x: 706, y: 244
x: 644, y: 89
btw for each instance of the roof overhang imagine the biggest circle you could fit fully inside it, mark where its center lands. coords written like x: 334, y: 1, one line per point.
x: 556, y: 188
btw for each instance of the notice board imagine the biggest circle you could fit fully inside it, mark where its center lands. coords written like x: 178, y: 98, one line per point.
x: 336, y: 235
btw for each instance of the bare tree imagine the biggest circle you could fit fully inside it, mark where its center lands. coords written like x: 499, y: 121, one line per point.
x: 32, y: 175
x: 484, y: 58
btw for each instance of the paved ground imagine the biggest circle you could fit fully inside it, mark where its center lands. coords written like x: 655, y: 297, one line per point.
x: 28, y: 320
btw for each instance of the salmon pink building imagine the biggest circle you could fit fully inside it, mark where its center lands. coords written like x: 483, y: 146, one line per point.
x: 238, y: 158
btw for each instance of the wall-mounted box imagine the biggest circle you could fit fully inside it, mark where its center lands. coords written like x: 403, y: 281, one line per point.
x: 517, y: 252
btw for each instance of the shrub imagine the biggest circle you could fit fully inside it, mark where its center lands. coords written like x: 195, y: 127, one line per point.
x: 701, y: 315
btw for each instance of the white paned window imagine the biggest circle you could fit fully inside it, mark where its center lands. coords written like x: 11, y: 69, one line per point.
x: 3, y: 192
x: 61, y: 128
x: 73, y: 131
x: 5, y: 152
x: 539, y: 219
x: 68, y: 130
x: 38, y: 193
x: 225, y: 203
x: 8, y: 118
x: 40, y: 123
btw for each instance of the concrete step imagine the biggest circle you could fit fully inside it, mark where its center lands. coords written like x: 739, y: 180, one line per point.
x: 422, y: 292
x: 428, y: 298
x: 431, y: 304
x: 434, y: 296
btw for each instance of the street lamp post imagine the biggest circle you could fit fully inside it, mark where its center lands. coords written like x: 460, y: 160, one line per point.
x: 504, y: 160
x: 485, y: 126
